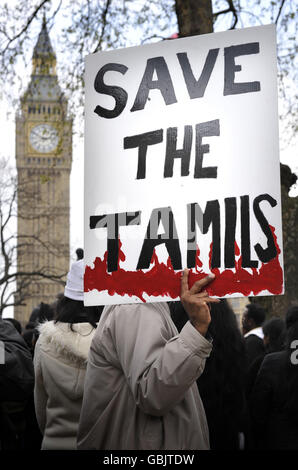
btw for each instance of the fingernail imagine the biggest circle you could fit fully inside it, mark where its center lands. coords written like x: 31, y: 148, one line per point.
x: 211, y: 275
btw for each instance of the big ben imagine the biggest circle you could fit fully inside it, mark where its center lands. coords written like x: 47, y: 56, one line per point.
x: 43, y: 158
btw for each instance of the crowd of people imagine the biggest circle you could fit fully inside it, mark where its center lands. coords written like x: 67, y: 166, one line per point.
x: 159, y: 376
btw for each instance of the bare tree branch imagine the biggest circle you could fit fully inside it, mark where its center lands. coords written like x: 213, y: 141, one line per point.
x: 29, y: 21
x: 279, y: 11
x: 55, y: 12
x: 155, y: 36
x: 16, y: 279
x: 222, y: 12
x: 104, y: 24
x: 231, y: 9
x: 38, y: 274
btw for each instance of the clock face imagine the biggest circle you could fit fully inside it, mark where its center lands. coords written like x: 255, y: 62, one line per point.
x: 44, y: 138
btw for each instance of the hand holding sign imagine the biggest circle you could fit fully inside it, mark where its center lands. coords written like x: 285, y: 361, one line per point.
x: 195, y: 301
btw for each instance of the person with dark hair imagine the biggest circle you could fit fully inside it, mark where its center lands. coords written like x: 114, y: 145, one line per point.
x: 252, y: 320
x: 274, y: 404
x: 222, y: 384
x: 274, y: 341
x: 42, y: 313
x: 30, y: 325
x: 54, y: 304
x: 79, y: 253
x: 60, y: 364
x: 45, y: 313
x: 34, y: 315
x: 274, y: 331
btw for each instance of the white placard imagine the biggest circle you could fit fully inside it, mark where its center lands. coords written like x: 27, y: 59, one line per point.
x: 182, y: 168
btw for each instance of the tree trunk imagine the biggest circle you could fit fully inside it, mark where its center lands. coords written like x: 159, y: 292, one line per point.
x: 194, y: 17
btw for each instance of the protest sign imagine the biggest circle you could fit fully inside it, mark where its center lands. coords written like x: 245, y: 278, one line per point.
x: 182, y: 168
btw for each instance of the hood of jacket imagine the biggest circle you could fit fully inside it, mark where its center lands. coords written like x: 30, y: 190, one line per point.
x: 73, y: 346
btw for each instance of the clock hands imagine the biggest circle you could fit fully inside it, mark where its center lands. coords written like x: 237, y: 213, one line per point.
x: 44, y: 137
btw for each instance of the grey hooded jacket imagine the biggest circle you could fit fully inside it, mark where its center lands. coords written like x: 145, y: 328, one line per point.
x: 140, y: 388
x: 60, y: 361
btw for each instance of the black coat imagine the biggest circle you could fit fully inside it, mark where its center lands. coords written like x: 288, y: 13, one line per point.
x: 254, y: 348
x: 225, y: 409
x: 16, y: 374
x: 222, y: 392
x: 274, y: 427
x: 16, y: 384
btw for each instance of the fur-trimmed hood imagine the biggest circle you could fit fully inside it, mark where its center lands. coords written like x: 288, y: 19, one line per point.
x: 72, y: 346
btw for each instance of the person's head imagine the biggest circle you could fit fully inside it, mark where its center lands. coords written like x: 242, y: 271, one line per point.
x: 74, y: 288
x: 223, y: 319
x: 15, y: 323
x: 228, y: 344
x: 30, y: 325
x: 42, y: 313
x: 79, y: 253
x: 291, y: 316
x: 292, y: 324
x: 46, y: 313
x: 34, y: 315
x: 73, y: 311
x: 53, y: 305
x: 274, y: 334
x: 253, y: 317
x: 289, y: 383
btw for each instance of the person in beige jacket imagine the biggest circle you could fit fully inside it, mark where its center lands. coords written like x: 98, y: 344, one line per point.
x: 140, y: 388
x: 60, y: 361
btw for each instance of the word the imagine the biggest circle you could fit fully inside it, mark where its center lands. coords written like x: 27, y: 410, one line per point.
x: 204, y: 129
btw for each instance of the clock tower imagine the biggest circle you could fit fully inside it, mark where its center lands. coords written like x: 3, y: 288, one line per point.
x: 43, y: 158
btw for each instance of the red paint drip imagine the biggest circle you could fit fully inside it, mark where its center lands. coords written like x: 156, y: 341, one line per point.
x: 162, y: 280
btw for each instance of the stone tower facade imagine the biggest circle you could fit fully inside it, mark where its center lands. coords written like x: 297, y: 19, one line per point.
x: 43, y: 158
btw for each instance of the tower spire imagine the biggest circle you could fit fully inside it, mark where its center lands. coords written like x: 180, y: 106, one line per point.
x: 44, y: 19
x: 44, y: 57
